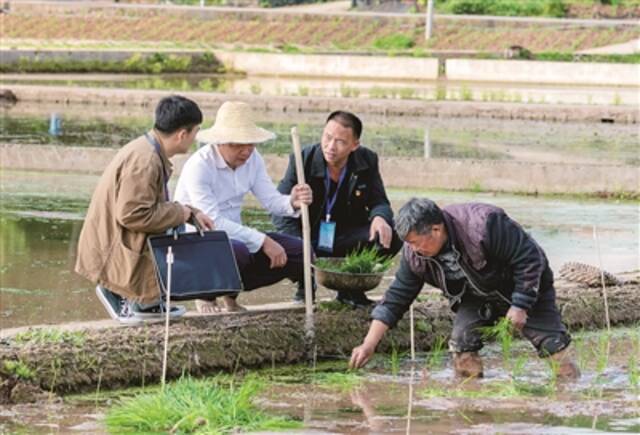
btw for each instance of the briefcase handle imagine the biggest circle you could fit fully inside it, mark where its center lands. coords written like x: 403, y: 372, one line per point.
x: 196, y: 224
x: 175, y: 231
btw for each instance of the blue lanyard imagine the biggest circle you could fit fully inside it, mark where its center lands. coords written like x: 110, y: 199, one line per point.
x: 327, y: 187
x: 165, y: 177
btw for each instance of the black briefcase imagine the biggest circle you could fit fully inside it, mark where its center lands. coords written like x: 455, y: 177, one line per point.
x: 203, y: 267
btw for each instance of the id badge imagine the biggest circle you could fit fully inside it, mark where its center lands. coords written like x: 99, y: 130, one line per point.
x: 327, y: 236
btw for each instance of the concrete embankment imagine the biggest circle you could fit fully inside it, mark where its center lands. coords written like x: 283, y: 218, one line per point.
x: 436, y: 173
x: 386, y: 107
x: 379, y: 67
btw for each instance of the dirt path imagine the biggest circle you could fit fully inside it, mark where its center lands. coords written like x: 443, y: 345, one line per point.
x: 330, y: 6
x: 630, y: 47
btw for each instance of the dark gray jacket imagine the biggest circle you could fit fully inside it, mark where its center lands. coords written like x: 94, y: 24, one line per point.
x: 365, y: 196
x: 500, y: 260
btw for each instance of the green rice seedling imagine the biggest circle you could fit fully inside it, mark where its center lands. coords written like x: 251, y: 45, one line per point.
x: 206, y: 85
x: 407, y: 93
x: 303, y: 91
x: 394, y: 361
x: 503, y: 333
x: 349, y: 92
x: 581, y: 353
x: 378, y: 92
x: 366, y: 260
x: 256, y: 89
x: 196, y: 406
x: 337, y: 380
x: 632, y: 363
x: 19, y: 369
x: 466, y: 94
x: 44, y: 336
x: 441, y: 93
x: 617, y: 100
x: 437, y: 354
x: 493, y: 390
x: 603, y: 350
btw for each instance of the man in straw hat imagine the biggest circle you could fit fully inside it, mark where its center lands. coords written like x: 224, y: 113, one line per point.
x: 218, y: 176
x: 131, y: 202
x: 350, y: 204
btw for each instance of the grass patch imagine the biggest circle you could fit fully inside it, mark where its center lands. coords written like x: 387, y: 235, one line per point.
x: 43, y: 336
x: 396, y: 41
x: 367, y: 260
x: 334, y: 306
x: 196, y: 406
x: 155, y: 63
x: 19, y: 369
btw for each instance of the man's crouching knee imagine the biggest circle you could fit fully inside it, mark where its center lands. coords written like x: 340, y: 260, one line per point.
x: 557, y: 350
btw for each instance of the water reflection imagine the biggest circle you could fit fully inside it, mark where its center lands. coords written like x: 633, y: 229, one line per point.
x: 358, y: 88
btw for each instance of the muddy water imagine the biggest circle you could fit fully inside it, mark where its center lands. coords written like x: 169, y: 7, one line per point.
x: 41, y: 216
x: 465, y: 138
x: 401, y: 396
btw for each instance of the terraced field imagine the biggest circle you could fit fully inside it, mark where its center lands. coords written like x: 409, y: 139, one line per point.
x: 312, y: 33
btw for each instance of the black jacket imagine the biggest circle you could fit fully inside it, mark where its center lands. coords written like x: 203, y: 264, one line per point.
x: 500, y: 260
x: 360, y: 199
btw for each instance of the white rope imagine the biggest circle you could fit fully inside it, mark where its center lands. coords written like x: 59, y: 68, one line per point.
x: 168, y: 311
x: 604, y: 287
x: 412, y: 334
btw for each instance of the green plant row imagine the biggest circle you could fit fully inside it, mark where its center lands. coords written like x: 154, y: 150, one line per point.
x: 155, y: 63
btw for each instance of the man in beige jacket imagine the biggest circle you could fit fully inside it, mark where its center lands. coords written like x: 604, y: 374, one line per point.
x: 132, y: 202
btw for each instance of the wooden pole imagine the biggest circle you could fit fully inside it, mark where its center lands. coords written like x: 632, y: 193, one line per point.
x: 306, y: 240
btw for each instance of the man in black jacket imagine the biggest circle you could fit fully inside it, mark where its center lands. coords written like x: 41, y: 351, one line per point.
x: 488, y: 267
x: 350, y: 209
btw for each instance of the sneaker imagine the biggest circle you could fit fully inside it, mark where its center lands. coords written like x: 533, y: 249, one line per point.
x: 116, y: 305
x: 111, y: 301
x: 354, y: 299
x: 299, y: 298
x: 157, y: 311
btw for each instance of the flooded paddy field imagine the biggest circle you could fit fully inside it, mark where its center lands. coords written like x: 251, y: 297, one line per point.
x: 518, y: 395
x: 461, y: 138
x: 41, y: 215
x: 440, y: 90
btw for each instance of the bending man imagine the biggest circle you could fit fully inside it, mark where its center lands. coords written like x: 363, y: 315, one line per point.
x: 488, y: 267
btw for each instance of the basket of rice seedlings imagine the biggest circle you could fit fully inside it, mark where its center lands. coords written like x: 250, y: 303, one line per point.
x: 359, y: 271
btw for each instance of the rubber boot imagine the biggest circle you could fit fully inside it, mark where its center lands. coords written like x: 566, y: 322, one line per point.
x: 467, y: 365
x: 566, y: 365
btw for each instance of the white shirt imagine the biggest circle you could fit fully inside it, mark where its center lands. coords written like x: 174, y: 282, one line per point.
x: 208, y: 183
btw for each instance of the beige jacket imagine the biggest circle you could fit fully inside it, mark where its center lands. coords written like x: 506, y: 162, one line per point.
x: 127, y: 206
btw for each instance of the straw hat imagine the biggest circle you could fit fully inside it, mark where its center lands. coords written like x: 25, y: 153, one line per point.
x: 234, y: 125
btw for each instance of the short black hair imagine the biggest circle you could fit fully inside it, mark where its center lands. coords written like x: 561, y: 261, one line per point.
x: 176, y: 112
x: 347, y: 120
x: 417, y: 215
